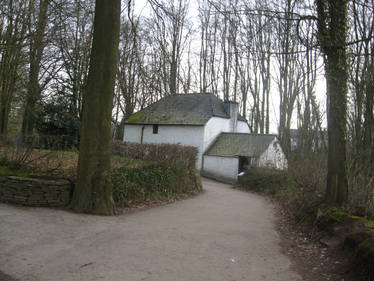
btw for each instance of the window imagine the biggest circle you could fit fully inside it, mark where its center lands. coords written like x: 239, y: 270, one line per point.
x: 155, y: 129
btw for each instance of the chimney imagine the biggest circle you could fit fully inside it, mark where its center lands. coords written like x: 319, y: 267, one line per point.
x: 231, y: 108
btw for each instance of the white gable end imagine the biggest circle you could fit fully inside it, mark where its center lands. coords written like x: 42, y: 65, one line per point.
x: 273, y: 157
x: 217, y: 125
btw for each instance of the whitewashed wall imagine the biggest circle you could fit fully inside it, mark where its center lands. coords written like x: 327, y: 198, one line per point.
x: 217, y: 125
x: 221, y: 168
x: 213, y: 128
x: 183, y: 135
x: 273, y: 157
x: 198, y: 136
x: 132, y: 133
x: 243, y: 127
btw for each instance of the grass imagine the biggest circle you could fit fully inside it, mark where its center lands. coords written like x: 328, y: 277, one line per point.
x: 5, y: 171
x: 21, y: 162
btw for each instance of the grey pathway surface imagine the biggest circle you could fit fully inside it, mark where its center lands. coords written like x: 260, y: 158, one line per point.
x: 223, y: 234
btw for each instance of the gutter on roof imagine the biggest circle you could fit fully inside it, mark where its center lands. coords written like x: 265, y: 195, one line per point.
x: 164, y: 124
x: 250, y: 134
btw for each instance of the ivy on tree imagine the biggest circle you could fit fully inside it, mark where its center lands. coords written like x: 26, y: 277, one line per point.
x: 332, y: 35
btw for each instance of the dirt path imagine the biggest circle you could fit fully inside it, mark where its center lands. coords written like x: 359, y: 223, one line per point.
x: 223, y: 234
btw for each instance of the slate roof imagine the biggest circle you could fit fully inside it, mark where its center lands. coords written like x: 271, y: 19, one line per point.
x: 186, y: 109
x: 240, y: 144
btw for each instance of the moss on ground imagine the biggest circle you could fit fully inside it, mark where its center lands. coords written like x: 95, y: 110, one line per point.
x: 5, y: 171
x: 329, y: 216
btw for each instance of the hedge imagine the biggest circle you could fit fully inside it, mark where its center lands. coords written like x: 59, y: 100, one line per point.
x: 170, y: 155
x: 153, y: 182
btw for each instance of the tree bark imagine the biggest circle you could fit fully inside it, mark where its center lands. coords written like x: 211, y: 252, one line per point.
x: 10, y: 61
x: 36, y: 52
x: 332, y: 27
x: 93, y: 193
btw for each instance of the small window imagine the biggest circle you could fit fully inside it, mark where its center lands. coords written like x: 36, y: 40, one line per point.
x: 155, y: 129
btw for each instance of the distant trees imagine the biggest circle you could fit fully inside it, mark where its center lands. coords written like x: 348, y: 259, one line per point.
x: 209, y: 49
x: 169, y: 33
x: 73, y: 39
x: 361, y: 125
x: 360, y: 134
x: 288, y: 48
x: 37, y: 24
x: 72, y: 45
x: 239, y: 49
x: 14, y: 21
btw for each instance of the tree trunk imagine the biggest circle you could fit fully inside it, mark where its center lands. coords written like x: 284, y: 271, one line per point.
x: 332, y: 25
x: 36, y: 52
x: 93, y: 193
x: 10, y: 60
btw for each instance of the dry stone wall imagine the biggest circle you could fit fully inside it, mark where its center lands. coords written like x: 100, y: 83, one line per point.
x: 35, y: 192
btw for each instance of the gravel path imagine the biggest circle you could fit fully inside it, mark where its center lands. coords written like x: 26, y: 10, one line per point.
x: 221, y: 235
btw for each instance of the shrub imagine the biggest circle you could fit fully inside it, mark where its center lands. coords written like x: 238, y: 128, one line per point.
x: 24, y: 155
x: 309, y: 170
x: 152, y: 182
x: 58, y: 118
x: 263, y: 180
x: 300, y: 200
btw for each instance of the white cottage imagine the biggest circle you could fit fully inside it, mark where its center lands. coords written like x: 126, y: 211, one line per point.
x: 189, y: 119
x: 231, y: 152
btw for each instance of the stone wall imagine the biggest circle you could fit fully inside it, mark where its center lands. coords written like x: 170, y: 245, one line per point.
x: 35, y: 192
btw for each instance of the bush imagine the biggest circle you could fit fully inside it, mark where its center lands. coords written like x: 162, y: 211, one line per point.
x: 264, y: 180
x: 25, y: 154
x: 58, y: 118
x: 153, y: 182
x: 301, y: 201
x: 170, y: 155
x: 309, y: 171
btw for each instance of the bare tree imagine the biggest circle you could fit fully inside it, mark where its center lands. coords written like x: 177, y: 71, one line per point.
x: 74, y: 38
x: 332, y: 26
x: 171, y: 32
x: 37, y: 45
x: 12, y: 40
x: 210, y: 55
x: 130, y: 72
x: 288, y: 47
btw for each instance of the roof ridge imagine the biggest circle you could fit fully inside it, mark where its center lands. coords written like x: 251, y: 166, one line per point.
x: 195, y: 108
x: 252, y: 134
